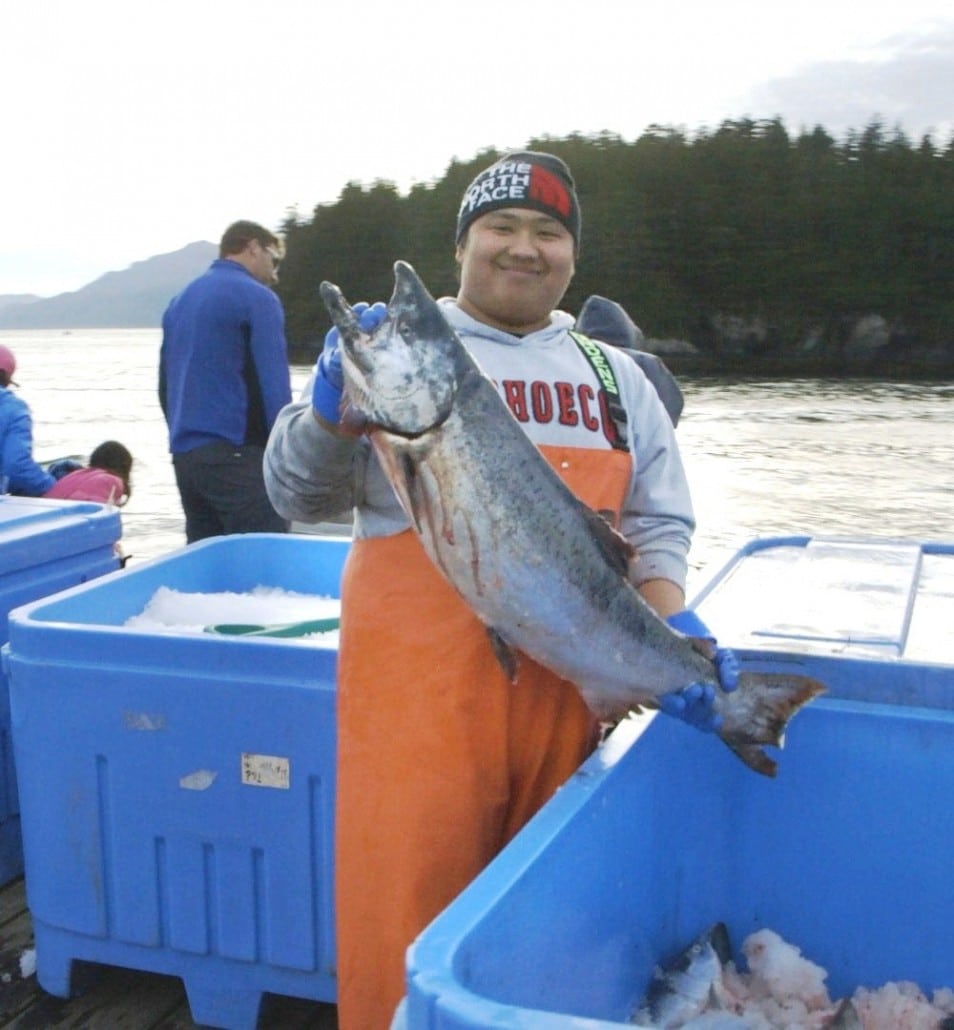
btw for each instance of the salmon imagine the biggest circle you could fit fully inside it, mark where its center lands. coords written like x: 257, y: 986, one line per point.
x: 545, y: 574
x: 689, y: 984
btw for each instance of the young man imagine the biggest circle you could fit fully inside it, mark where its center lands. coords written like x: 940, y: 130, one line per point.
x: 441, y: 759
x: 223, y: 378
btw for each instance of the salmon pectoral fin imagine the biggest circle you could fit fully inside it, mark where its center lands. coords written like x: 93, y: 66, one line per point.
x: 504, y: 654
x: 757, y: 712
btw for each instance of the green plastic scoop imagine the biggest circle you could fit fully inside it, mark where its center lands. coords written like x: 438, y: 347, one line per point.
x: 287, y: 629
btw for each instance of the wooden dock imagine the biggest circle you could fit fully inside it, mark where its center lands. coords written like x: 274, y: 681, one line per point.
x: 115, y: 998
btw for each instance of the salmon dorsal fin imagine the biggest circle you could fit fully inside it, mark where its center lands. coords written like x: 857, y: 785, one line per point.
x: 615, y: 548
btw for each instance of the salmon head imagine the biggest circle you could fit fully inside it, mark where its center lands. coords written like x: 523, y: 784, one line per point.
x: 403, y: 377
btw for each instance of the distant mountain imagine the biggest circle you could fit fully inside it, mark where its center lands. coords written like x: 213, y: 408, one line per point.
x: 132, y: 299
x: 6, y: 299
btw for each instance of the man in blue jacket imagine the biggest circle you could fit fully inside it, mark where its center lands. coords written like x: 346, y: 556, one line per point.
x: 223, y: 378
x: 19, y: 473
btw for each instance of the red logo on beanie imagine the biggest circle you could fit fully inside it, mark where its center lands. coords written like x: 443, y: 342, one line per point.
x: 547, y: 189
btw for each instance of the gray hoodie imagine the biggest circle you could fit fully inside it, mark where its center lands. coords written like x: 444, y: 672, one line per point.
x: 313, y: 475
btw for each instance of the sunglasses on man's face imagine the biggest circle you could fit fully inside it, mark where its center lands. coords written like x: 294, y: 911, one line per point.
x: 274, y: 255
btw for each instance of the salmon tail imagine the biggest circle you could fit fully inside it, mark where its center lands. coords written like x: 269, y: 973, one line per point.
x: 757, y: 712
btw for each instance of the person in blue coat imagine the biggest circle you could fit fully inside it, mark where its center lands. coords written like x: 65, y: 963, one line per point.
x: 223, y: 378
x: 19, y: 473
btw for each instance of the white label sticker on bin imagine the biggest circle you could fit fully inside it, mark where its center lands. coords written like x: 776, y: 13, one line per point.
x: 266, y: 771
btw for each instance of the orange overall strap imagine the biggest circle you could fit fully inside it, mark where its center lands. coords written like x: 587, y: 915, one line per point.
x: 441, y: 760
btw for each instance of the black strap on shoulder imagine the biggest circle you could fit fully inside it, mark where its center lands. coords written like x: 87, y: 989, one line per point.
x: 609, y: 390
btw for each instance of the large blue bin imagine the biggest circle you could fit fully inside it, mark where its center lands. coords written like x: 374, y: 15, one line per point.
x: 663, y: 832
x: 869, y: 618
x: 177, y: 790
x: 45, y: 546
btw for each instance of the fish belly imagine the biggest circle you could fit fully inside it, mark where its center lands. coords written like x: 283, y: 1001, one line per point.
x: 515, y: 543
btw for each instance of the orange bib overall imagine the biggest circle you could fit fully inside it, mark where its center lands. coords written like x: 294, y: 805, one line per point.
x: 441, y: 759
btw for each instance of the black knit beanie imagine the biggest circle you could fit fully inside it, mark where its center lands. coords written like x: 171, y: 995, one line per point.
x: 523, y: 179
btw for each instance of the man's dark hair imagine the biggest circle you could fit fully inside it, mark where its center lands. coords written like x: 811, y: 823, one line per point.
x: 240, y: 234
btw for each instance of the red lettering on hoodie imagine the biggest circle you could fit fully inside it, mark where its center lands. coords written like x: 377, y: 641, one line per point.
x: 541, y: 402
x: 586, y: 399
x: 569, y: 404
x: 566, y: 404
x: 515, y: 394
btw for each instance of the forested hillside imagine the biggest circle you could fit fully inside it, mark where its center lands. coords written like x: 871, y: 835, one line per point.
x: 757, y: 246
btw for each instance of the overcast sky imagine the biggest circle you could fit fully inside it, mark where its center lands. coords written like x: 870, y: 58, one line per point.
x: 131, y: 129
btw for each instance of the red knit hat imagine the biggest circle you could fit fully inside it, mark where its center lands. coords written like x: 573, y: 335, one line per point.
x: 8, y: 364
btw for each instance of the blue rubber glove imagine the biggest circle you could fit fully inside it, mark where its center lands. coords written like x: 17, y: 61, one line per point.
x: 62, y: 467
x: 693, y: 704
x: 329, y: 378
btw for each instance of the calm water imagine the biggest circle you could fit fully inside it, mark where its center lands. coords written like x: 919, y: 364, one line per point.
x: 764, y: 458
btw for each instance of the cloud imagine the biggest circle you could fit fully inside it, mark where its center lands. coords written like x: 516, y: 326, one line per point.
x: 906, y: 81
